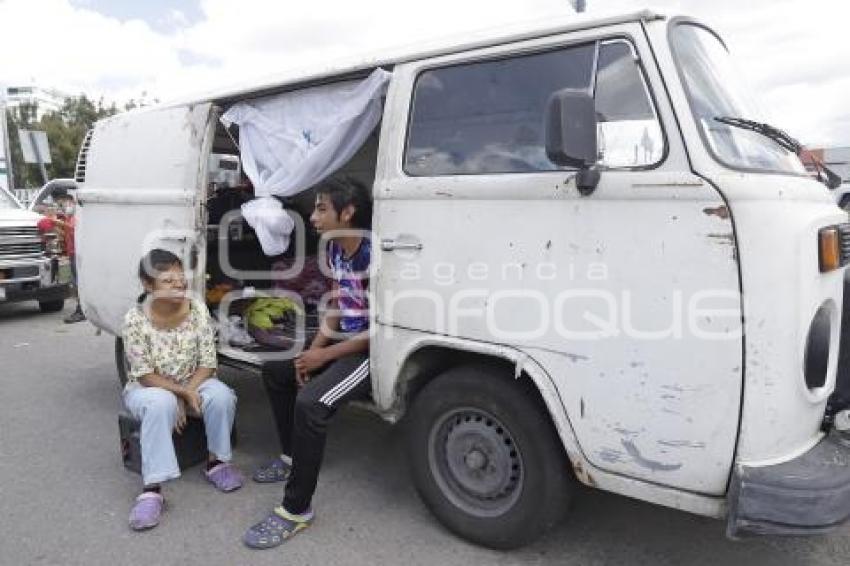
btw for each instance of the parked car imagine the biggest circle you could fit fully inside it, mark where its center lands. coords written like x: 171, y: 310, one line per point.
x: 28, y: 269
x: 689, y: 271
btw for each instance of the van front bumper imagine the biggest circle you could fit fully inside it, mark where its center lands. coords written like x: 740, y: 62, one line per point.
x: 804, y: 496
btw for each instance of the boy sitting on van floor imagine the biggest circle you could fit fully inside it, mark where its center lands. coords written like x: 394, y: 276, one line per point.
x: 333, y: 371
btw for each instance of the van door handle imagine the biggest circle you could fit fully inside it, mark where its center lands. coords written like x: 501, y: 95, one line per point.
x: 392, y: 245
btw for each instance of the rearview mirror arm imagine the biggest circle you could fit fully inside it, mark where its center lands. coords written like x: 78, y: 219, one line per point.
x: 587, y: 179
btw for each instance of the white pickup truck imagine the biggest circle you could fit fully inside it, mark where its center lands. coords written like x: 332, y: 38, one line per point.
x: 27, y: 272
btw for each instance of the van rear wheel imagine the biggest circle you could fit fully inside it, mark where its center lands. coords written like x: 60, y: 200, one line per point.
x: 485, y: 458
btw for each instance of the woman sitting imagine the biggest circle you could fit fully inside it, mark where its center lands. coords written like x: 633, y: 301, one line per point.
x: 170, y: 346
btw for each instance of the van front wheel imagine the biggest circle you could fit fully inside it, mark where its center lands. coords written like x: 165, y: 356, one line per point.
x: 486, y: 460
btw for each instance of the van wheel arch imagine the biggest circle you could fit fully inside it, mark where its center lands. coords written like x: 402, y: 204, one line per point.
x: 426, y: 363
x: 429, y: 362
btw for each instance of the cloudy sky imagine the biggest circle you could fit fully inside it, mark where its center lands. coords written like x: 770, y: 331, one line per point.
x: 794, y: 53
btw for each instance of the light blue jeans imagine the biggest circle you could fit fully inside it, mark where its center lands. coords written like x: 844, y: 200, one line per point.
x: 156, y: 408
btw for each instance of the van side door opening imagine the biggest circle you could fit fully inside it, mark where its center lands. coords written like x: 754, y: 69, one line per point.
x: 237, y: 265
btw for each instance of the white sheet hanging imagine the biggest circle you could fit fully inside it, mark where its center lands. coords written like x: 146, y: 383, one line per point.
x: 292, y: 141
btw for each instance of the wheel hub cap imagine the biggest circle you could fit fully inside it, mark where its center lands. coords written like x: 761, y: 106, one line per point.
x: 480, y: 459
x: 476, y: 460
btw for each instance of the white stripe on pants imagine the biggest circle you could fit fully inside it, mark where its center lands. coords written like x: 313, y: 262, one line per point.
x: 346, y: 384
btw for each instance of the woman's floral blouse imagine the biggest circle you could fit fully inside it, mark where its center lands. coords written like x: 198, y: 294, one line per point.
x: 175, y: 353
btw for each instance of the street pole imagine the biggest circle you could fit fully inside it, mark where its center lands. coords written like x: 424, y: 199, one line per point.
x: 7, y: 150
x: 580, y: 5
x: 38, y: 157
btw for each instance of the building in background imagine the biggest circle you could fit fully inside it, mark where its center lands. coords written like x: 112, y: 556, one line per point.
x: 4, y: 168
x: 838, y: 159
x: 35, y: 100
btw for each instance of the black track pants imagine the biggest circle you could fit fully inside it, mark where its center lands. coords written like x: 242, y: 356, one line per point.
x: 302, y: 416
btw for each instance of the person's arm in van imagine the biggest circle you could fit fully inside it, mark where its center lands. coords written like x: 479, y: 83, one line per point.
x: 310, y: 359
x: 315, y: 358
x: 322, y: 350
x: 354, y: 345
x: 330, y: 322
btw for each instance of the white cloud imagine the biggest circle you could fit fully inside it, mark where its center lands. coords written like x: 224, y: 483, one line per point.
x: 76, y: 49
x: 791, y: 51
x: 255, y: 38
x: 175, y: 19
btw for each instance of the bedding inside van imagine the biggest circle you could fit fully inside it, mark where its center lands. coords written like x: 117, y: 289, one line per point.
x: 291, y: 141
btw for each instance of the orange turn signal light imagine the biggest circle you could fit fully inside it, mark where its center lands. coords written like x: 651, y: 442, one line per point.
x: 829, y: 247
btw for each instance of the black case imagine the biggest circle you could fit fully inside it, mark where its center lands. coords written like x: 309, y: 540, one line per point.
x: 190, y: 445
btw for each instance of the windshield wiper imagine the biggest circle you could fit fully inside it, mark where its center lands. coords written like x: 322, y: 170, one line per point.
x: 825, y: 175
x: 768, y: 131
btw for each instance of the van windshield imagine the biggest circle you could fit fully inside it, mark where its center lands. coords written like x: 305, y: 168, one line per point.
x: 715, y: 91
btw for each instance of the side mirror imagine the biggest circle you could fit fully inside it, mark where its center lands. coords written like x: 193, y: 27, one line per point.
x: 571, y: 135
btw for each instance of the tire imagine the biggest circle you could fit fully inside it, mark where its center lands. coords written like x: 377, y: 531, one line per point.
x: 486, y: 459
x: 121, y: 362
x: 51, y: 306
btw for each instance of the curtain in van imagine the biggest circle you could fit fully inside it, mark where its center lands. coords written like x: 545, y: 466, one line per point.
x: 292, y: 141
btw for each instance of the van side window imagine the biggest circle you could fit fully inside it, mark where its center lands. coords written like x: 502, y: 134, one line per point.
x: 629, y: 132
x: 488, y: 117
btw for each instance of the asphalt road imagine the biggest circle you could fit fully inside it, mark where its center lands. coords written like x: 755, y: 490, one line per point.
x: 65, y: 496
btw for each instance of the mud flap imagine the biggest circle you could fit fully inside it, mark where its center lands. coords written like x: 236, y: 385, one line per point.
x: 804, y: 496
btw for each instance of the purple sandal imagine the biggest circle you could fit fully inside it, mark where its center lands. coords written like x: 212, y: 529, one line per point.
x: 147, y: 511
x: 225, y: 477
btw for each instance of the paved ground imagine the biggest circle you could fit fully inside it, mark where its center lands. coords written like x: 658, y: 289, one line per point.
x: 64, y: 495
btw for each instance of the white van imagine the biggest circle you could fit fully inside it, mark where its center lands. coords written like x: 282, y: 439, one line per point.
x: 590, y: 270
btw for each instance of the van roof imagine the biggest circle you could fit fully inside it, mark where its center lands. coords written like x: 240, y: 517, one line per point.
x: 431, y: 48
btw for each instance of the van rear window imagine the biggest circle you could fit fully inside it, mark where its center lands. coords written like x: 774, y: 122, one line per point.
x: 488, y: 117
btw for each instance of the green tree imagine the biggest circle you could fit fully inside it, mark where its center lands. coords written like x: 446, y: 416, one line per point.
x: 65, y: 130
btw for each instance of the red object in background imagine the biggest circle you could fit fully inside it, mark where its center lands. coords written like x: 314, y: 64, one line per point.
x: 811, y: 159
x: 62, y: 224
x: 70, y: 225
x: 45, y: 224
